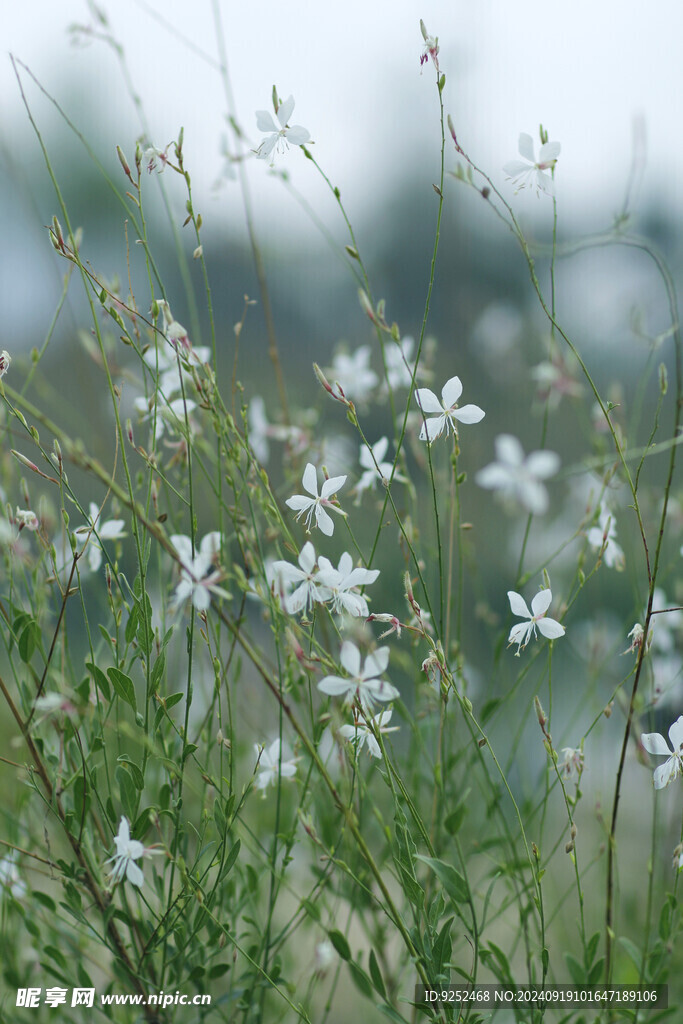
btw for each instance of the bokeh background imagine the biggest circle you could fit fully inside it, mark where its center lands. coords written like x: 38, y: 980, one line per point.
x: 603, y: 77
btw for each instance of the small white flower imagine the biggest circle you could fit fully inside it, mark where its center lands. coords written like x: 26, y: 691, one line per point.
x: 637, y: 635
x: 279, y: 137
x: 5, y: 360
x: 10, y: 879
x: 431, y: 47
x: 398, y: 364
x: 127, y: 852
x: 27, y: 519
x: 375, y: 468
x: 447, y: 410
x: 270, y: 766
x: 604, y: 537
x: 521, y: 633
x: 361, y: 732
x: 318, y: 503
x: 353, y: 373
x: 111, y: 530
x: 342, y: 584
x: 530, y: 170
x: 655, y: 744
x: 197, y: 581
x: 308, y: 591
x: 364, y: 684
x: 150, y: 157
x: 572, y: 764
x: 517, y: 477
x: 324, y: 956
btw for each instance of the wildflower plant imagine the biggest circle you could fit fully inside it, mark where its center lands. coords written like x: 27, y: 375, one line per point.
x: 226, y: 773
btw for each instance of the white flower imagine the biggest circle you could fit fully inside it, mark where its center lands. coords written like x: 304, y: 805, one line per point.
x: 353, y: 374
x: 361, y: 732
x: 342, y: 583
x: 170, y: 415
x: 278, y: 139
x: 196, y: 580
x: 5, y: 360
x: 27, y: 519
x: 270, y: 766
x: 127, y: 852
x: 523, y: 631
x: 637, y: 636
x: 655, y: 743
x: 604, y: 536
x: 517, y: 477
x: 398, y: 364
x: 366, y: 684
x: 375, y: 468
x: 572, y: 764
x: 150, y: 157
x: 111, y: 530
x: 10, y: 879
x: 431, y: 47
x: 309, y: 590
x: 447, y: 410
x: 323, y: 957
x: 319, y: 502
x: 530, y: 170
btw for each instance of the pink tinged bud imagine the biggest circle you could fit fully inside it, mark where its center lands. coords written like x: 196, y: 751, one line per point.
x: 5, y: 360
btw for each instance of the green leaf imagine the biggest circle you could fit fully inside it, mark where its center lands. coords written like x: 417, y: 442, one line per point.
x: 127, y: 792
x: 376, y: 975
x: 123, y: 686
x: 136, y: 774
x: 29, y: 639
x: 99, y: 679
x: 595, y: 973
x: 577, y: 972
x: 545, y: 959
x: 591, y: 947
x: 451, y: 879
x: 340, y: 944
x: 360, y: 978
x: 631, y: 951
x: 231, y: 858
x: 455, y: 818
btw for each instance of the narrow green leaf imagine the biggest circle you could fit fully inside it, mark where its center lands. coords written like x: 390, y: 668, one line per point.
x: 451, y: 879
x: 123, y: 686
x: 340, y: 944
x: 376, y: 975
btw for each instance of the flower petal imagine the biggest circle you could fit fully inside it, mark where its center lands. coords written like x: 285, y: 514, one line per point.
x: 526, y: 147
x: 285, y: 111
x: 427, y: 400
x: 509, y: 451
x: 550, y: 628
x: 451, y: 392
x: 324, y: 522
x: 297, y: 135
x: 264, y: 122
x: 331, y: 486
x: 548, y: 152
x: 543, y: 464
x: 518, y: 605
x: 665, y: 773
x: 350, y: 658
x: 540, y: 602
x: 655, y: 743
x: 310, y: 479
x: 676, y: 734
x: 468, y: 414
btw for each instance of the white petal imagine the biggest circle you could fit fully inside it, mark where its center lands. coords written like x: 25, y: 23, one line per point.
x: 264, y: 122
x: 534, y: 497
x: 428, y: 401
x: 494, y: 477
x: 519, y: 634
x: 509, y: 451
x: 297, y: 135
x: 518, y: 605
x: 324, y: 522
x: 550, y: 629
x: 548, y: 151
x: 287, y: 770
x: 335, y: 686
x: 331, y: 486
x: 297, y: 600
x: 543, y: 464
x: 468, y: 414
x: 540, y: 602
x: 451, y: 392
x: 379, y: 450
x: 210, y: 545
x: 376, y: 663
x: 111, y: 530
x: 310, y: 479
x: 134, y: 874
x: 676, y: 734
x: 526, y: 147
x: 515, y: 168
x: 183, y: 546
x: 299, y: 503
x: 655, y: 743
x: 432, y: 428
x: 350, y: 658
x: 201, y: 598
x: 665, y: 773
x: 306, y: 557
x: 285, y: 110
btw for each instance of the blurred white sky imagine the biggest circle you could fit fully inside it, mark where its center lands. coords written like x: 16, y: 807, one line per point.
x: 585, y: 70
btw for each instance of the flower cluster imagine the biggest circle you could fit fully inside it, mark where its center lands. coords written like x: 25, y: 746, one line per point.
x: 199, y: 576
x: 317, y: 581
